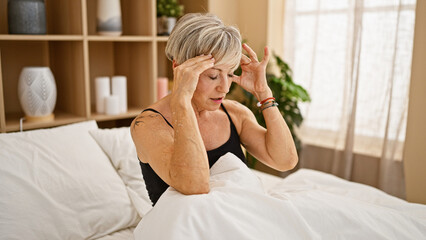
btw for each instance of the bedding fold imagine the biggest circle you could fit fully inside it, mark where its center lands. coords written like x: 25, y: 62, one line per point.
x: 305, y: 205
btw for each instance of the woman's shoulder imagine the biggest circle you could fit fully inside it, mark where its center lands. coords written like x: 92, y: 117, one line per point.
x: 238, y: 113
x: 152, y: 118
x: 151, y: 133
x: 235, y: 107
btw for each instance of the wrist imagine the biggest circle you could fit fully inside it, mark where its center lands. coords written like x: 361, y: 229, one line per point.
x: 263, y: 95
x: 182, y: 93
x: 180, y: 99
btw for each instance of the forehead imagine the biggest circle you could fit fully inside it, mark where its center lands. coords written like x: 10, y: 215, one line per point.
x: 222, y: 67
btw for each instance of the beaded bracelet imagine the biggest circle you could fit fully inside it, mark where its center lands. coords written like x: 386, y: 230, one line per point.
x: 265, y: 106
x: 259, y: 104
x: 268, y: 103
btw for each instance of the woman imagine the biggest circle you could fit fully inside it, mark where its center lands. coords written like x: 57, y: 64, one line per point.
x: 182, y: 135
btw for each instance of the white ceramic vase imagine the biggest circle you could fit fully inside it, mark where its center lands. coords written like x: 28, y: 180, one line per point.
x: 109, y: 18
x: 37, y: 93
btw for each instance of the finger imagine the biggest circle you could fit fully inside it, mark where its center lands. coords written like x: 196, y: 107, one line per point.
x: 245, y: 59
x: 193, y: 66
x: 266, y: 56
x: 202, y: 66
x: 250, y: 51
x: 236, y: 79
x: 195, y: 60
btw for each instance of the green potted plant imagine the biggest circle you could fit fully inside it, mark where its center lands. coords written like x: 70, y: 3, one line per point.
x: 287, y: 94
x: 167, y: 13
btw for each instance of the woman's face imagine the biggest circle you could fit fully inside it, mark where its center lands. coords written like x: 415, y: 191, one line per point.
x: 212, y: 87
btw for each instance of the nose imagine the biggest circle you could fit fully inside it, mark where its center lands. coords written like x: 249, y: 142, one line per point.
x: 224, y: 85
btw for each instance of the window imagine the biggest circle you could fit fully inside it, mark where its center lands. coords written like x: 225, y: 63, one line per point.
x: 354, y: 57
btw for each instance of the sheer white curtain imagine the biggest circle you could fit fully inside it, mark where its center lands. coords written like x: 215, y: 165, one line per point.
x: 354, y: 58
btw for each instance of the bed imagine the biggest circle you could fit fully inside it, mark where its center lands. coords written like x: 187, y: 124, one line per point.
x: 82, y: 182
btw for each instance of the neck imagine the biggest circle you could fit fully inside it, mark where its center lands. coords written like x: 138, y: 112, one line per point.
x: 199, y: 113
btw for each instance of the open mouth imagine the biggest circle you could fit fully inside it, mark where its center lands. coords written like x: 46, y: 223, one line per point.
x: 217, y: 100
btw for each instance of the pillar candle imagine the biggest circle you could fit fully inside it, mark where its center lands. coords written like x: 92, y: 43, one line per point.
x: 119, y: 88
x: 112, y: 105
x: 102, y: 89
x: 162, y: 87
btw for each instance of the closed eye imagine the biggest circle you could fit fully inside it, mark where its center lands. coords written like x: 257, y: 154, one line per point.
x: 229, y: 75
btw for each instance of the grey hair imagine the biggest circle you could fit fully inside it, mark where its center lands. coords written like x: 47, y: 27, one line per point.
x: 197, y: 33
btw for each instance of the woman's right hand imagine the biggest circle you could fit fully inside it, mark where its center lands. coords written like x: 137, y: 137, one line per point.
x: 186, y: 75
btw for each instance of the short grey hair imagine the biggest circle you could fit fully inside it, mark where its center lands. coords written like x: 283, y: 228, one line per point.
x: 197, y: 33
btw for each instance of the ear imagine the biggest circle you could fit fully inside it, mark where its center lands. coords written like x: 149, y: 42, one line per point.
x: 174, y: 64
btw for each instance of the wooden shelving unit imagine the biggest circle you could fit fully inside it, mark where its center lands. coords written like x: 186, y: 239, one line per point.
x: 76, y: 55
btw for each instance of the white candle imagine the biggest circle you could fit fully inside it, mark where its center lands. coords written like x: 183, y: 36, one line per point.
x: 102, y: 88
x: 162, y: 87
x: 119, y: 88
x: 112, y: 105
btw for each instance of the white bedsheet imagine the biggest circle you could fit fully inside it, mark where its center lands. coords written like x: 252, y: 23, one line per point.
x: 305, y: 205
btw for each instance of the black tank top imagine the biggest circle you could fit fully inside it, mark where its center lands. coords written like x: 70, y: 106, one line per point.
x: 156, y: 186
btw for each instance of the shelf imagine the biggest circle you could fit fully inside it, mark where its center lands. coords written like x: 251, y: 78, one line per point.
x: 61, y: 118
x: 121, y: 38
x: 76, y: 55
x: 131, y: 113
x: 164, y: 65
x: 64, y: 58
x: 137, y: 17
x: 24, y: 37
x: 62, y: 17
x: 128, y: 38
x: 130, y: 59
x: 162, y: 38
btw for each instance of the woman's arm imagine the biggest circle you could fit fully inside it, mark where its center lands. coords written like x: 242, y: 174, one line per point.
x: 274, y: 146
x: 179, y: 156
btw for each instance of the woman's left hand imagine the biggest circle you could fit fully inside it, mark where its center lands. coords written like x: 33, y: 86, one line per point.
x: 253, y: 76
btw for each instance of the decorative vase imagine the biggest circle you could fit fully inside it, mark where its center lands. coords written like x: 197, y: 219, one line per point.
x: 37, y: 93
x: 109, y: 18
x: 165, y: 25
x: 26, y: 16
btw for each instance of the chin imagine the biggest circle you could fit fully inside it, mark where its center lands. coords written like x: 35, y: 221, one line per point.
x: 212, y: 108
x: 208, y: 105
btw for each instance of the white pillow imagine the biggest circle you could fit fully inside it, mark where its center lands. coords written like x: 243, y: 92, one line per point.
x: 118, y: 145
x: 58, y: 184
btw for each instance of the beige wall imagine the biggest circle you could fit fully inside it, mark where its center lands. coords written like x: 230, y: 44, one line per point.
x: 227, y: 10
x: 250, y: 16
x: 192, y: 6
x: 252, y: 22
x: 275, y: 28
x: 415, y: 143
x: 259, y: 21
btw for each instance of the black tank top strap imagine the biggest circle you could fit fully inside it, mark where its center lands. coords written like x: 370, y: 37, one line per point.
x: 227, y: 114
x: 153, y: 110
x: 233, y: 128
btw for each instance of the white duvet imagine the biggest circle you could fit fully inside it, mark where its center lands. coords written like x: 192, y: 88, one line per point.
x: 305, y: 205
